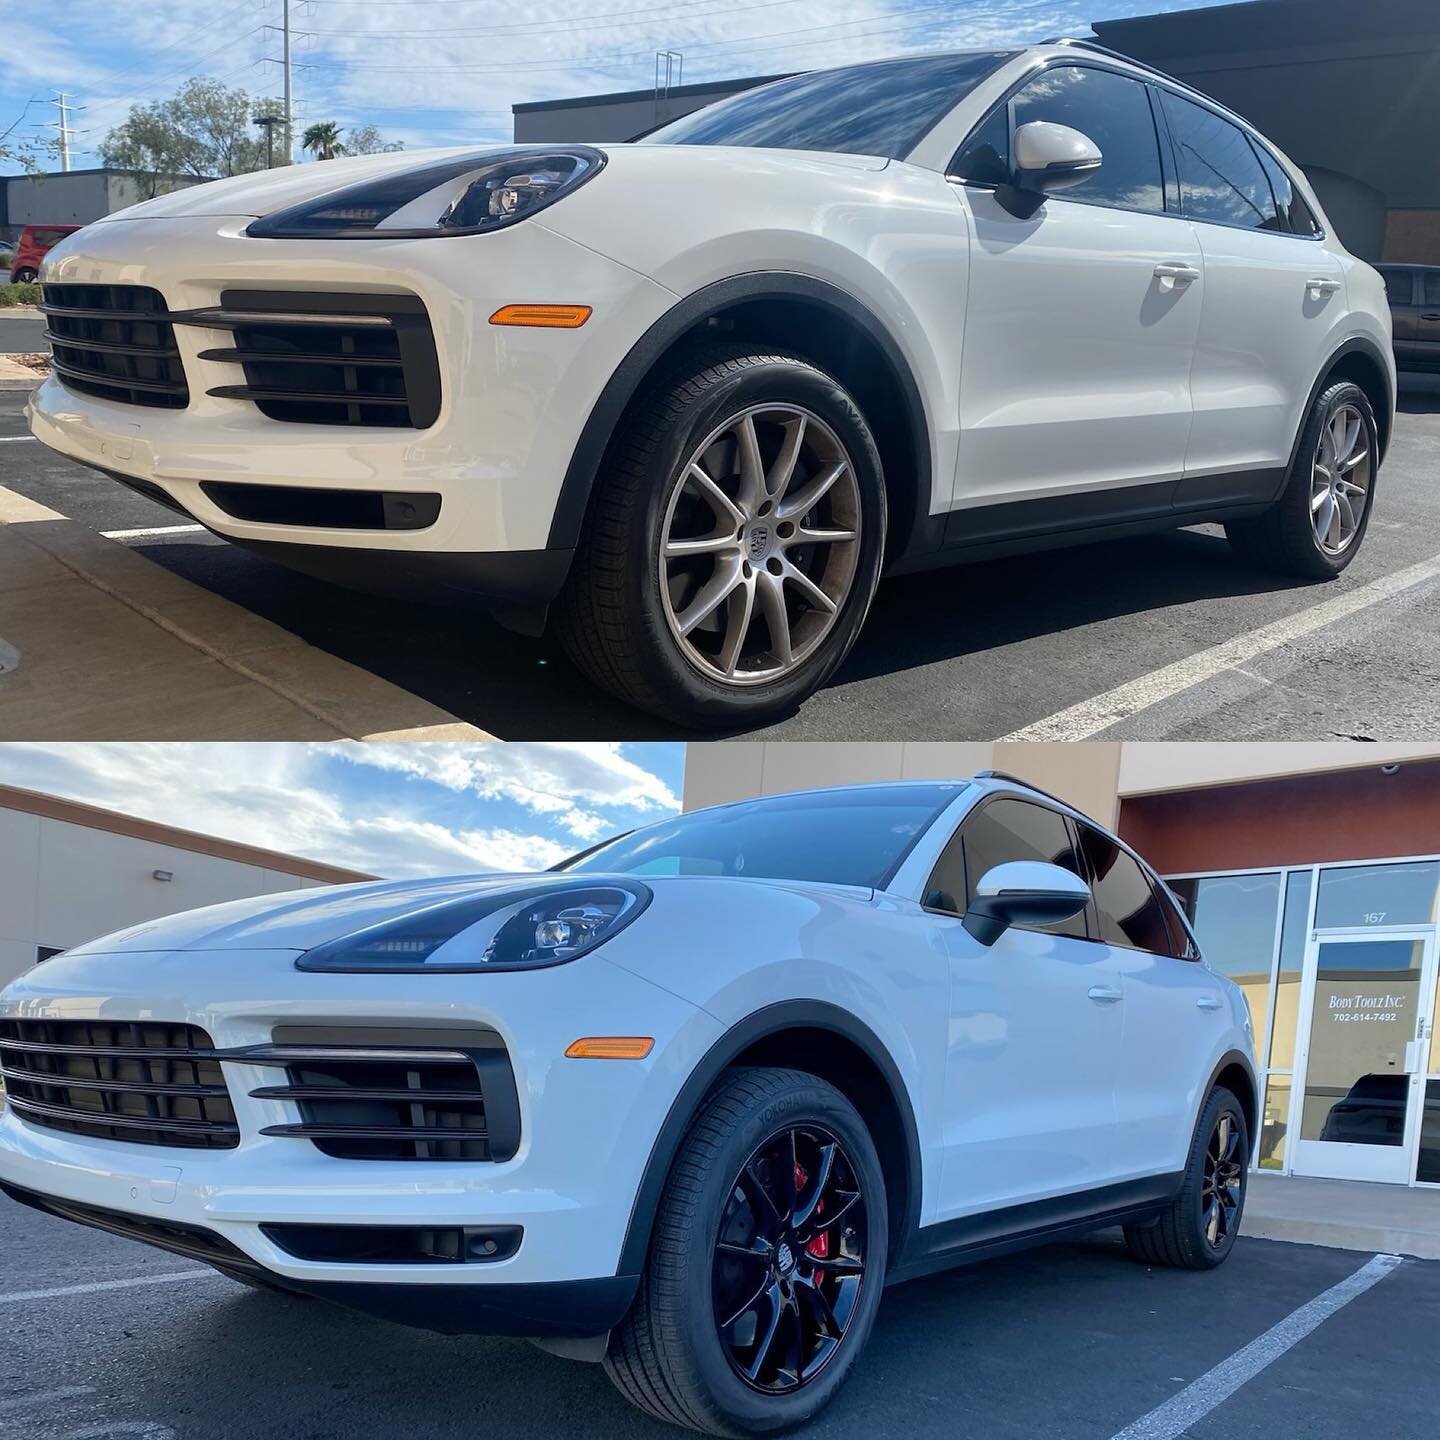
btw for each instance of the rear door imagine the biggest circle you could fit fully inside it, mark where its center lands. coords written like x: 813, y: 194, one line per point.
x: 1034, y: 1034
x: 1173, y: 1006
x: 1403, y: 294
x: 1273, y: 295
x: 1427, y: 325
x: 1081, y: 321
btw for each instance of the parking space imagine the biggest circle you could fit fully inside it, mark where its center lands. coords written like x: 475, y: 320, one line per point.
x: 108, y: 1338
x: 1165, y: 637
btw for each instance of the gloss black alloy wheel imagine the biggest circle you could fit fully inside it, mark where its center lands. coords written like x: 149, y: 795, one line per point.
x: 790, y: 1259
x: 1223, y: 1176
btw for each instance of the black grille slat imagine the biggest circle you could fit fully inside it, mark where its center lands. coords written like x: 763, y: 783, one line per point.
x: 360, y: 1105
x: 351, y: 371
x: 147, y: 1082
x: 115, y: 342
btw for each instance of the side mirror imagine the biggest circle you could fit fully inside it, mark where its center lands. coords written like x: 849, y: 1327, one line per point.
x: 1023, y: 892
x: 1051, y: 157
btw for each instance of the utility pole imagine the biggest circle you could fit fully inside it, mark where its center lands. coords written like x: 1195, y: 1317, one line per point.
x: 268, y: 124
x: 289, y: 112
x: 63, y: 126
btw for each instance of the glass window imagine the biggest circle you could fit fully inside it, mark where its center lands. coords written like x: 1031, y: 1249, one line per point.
x: 47, y: 952
x: 883, y: 108
x: 1181, y: 944
x: 1290, y: 201
x: 1432, y: 287
x: 1397, y: 286
x: 1221, y: 181
x: 1274, y: 1122
x: 1129, y: 913
x: 1429, y: 1168
x: 845, y: 837
x: 1356, y: 896
x: 1293, y: 930
x: 1113, y: 110
x: 1234, y: 917
x: 1000, y: 831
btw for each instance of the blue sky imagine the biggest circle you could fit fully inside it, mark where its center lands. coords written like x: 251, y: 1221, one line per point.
x: 444, y: 72
x: 391, y: 810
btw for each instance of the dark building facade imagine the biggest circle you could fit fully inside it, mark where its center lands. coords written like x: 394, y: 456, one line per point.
x: 1349, y: 89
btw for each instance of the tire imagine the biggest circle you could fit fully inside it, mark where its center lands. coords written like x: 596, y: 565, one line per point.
x: 667, y: 1356
x: 23, y: 277
x: 621, y: 625
x: 1180, y: 1238
x: 1283, y: 538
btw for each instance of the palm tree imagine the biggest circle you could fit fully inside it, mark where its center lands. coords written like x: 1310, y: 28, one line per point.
x: 324, y: 140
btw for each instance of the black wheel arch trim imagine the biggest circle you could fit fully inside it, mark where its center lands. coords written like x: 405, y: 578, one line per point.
x: 1361, y: 345
x: 568, y: 522
x: 1228, y: 1060
x: 784, y: 1015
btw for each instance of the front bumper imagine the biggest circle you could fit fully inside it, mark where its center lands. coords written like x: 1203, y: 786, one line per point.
x: 513, y: 400
x: 586, y: 1131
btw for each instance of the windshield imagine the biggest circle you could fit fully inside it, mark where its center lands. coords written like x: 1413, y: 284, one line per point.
x: 844, y: 837
x: 883, y: 108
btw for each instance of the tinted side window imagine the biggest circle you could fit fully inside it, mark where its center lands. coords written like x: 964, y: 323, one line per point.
x: 1181, y: 945
x: 1221, y: 180
x: 1291, y: 203
x: 1000, y: 831
x: 49, y: 237
x: 1432, y: 287
x: 1113, y: 110
x: 1130, y: 914
x: 1397, y: 286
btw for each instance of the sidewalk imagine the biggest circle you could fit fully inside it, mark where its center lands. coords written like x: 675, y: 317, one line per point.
x: 113, y: 647
x: 14, y: 376
x: 1343, y: 1214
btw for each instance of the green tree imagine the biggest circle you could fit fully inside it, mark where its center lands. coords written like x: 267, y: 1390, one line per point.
x: 323, y: 140
x: 367, y: 140
x: 203, y: 131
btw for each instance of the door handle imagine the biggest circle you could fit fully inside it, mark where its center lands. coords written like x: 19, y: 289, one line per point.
x: 1430, y: 314
x: 1105, y: 994
x: 1177, y: 271
x: 1208, y: 1002
x: 1321, y: 286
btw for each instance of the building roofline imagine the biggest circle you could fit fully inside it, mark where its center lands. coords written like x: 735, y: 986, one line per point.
x: 114, y: 822
x: 626, y: 97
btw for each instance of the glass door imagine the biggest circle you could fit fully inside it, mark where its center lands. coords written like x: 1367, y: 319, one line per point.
x: 1362, y: 1054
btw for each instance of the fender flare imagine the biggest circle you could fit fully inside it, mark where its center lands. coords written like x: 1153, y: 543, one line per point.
x: 568, y: 520
x: 1357, y: 344
x: 1229, y: 1058
x: 785, y: 1015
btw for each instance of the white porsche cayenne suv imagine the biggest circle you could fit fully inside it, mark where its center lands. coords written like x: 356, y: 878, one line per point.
x: 691, y: 397
x: 685, y: 1104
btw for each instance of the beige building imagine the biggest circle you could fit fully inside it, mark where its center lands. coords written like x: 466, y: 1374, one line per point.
x: 1311, y: 873
x: 70, y: 872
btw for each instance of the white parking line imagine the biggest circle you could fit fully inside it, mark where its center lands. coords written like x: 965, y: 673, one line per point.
x: 1090, y: 717
x: 155, y: 530
x: 1215, y: 1386
x: 18, y: 1295
x: 14, y: 439
x: 45, y: 1397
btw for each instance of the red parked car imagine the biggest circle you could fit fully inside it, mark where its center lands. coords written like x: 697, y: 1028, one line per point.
x: 35, y: 242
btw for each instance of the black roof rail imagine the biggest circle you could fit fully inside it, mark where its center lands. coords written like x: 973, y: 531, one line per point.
x: 1010, y: 779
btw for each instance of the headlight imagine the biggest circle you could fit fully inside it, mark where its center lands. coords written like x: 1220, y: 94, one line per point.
x: 464, y: 195
x: 546, y: 924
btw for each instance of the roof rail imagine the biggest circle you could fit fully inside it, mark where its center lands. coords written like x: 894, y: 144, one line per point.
x: 1081, y: 42
x: 1024, y: 784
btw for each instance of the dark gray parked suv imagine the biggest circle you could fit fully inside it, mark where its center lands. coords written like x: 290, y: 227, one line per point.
x: 1414, y: 295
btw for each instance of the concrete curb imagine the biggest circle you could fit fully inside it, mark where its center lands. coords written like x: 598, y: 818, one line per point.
x: 1343, y: 1215
x: 17, y: 377
x: 139, y: 653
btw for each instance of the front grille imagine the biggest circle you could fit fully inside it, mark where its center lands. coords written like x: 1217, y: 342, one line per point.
x: 147, y: 1082
x: 331, y: 359
x: 116, y: 342
x: 388, y: 1100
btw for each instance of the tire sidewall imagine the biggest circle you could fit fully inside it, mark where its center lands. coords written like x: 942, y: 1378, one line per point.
x: 807, y: 1103
x: 1344, y: 392
x: 770, y: 379
x: 1221, y: 1102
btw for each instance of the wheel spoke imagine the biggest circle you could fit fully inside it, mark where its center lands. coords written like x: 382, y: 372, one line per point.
x: 782, y: 470
x: 765, y: 1284
x: 1325, y: 516
x: 799, y: 505
x: 1319, y: 498
x: 820, y: 1309
x: 763, y: 1348
x: 1212, y: 1221
x: 848, y: 1200
x: 791, y: 1162
x: 803, y: 536
x: 809, y: 589
x: 753, y: 1176
x: 752, y: 469
x: 712, y: 595
x: 771, y: 596
x: 724, y: 507
x: 737, y: 626
x: 840, y: 1264
x: 760, y: 1252
x: 820, y: 1181
x: 704, y: 545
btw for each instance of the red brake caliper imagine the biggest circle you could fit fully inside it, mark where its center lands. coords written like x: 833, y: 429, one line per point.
x: 819, y: 1247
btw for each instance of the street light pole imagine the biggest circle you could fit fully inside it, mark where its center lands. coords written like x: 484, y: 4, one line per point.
x: 289, y: 113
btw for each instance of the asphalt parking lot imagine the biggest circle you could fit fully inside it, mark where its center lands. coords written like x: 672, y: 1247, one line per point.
x: 1165, y: 637
x: 106, y: 1338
